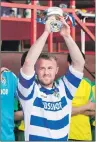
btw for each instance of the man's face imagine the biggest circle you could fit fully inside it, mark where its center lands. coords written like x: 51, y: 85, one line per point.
x: 46, y: 71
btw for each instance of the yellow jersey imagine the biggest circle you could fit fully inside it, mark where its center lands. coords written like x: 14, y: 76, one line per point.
x: 80, y: 128
x: 21, y: 126
x: 93, y: 121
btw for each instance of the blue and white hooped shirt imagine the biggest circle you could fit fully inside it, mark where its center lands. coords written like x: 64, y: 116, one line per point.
x: 47, y: 112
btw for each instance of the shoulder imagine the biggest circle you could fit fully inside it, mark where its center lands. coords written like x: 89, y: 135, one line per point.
x: 57, y: 81
x: 93, y: 84
x: 86, y: 80
x: 94, y: 87
x: 8, y: 73
x: 85, y: 84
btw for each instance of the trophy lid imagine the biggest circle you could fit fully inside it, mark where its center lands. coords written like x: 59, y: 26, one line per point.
x: 54, y: 11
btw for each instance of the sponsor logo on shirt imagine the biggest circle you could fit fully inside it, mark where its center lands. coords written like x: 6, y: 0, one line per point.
x: 3, y: 81
x: 52, y: 106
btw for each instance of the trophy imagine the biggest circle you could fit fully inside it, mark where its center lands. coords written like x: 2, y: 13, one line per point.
x: 55, y: 13
x: 55, y: 23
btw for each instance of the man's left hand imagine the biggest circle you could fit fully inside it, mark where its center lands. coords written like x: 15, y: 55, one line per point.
x: 65, y: 30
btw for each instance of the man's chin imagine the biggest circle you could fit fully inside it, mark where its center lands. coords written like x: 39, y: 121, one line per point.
x: 46, y: 83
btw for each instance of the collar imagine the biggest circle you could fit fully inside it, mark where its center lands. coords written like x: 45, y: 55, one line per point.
x: 49, y: 91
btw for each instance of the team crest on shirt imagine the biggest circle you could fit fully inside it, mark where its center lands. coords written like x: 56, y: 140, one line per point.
x: 3, y: 80
x: 56, y: 93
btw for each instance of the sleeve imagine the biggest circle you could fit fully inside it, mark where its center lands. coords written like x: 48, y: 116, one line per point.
x: 13, y: 78
x: 15, y: 104
x: 71, y: 81
x: 14, y: 83
x: 93, y: 93
x: 26, y: 86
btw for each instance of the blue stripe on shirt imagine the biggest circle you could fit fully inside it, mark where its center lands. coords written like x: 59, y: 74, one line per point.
x: 28, y: 97
x: 40, y: 138
x: 24, y: 82
x: 72, y: 79
x: 38, y: 102
x: 54, y: 125
x: 50, y: 106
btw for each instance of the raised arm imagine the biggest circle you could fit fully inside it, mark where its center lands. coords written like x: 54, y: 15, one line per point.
x: 35, y: 51
x: 76, y: 56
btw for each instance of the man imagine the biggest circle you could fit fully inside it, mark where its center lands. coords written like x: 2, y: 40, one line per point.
x: 7, y: 11
x: 8, y: 90
x: 47, y: 105
x: 82, y: 108
x: 93, y: 120
x: 18, y: 117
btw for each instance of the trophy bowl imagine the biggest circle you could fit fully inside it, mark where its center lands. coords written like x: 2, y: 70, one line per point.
x: 55, y: 23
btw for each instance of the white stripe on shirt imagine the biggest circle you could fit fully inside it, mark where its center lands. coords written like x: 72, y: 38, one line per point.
x: 56, y: 134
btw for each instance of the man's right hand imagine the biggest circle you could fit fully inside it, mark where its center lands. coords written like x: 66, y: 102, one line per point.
x: 47, y: 25
x: 65, y: 30
x: 90, y: 105
x: 3, y: 69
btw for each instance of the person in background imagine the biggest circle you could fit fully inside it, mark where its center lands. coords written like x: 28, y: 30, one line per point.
x: 18, y: 118
x: 7, y: 11
x: 47, y: 105
x: 27, y: 12
x: 8, y: 92
x: 18, y: 115
x: 92, y: 119
x: 82, y: 109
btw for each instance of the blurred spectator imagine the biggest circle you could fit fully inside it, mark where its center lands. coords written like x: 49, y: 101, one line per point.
x: 92, y: 119
x: 8, y: 92
x: 19, y: 122
x: 27, y: 12
x: 19, y: 126
x: 82, y: 108
x: 8, y: 11
x: 20, y: 130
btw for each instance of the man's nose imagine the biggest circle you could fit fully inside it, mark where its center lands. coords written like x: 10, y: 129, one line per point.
x: 46, y: 71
